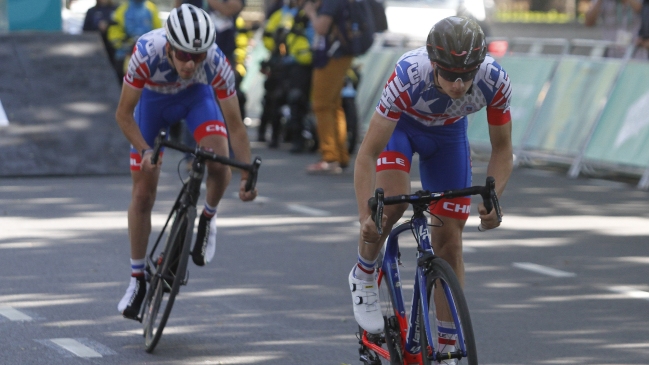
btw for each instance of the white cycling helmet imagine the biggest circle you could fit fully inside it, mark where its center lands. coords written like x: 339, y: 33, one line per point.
x: 190, y: 29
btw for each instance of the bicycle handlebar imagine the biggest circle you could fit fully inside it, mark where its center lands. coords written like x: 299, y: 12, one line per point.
x: 487, y: 192
x: 252, y: 168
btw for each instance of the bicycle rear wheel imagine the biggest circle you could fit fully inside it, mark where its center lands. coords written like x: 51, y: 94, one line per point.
x: 165, y: 283
x: 450, y: 299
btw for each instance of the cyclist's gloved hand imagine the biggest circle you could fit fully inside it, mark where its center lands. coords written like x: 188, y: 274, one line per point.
x: 244, y: 195
x: 487, y: 220
x: 368, y: 229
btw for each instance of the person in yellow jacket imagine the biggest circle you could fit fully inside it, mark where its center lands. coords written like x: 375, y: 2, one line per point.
x: 288, y: 36
x: 130, y: 20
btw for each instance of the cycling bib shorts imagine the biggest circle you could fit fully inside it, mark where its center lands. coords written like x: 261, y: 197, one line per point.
x: 444, y: 160
x: 195, y: 104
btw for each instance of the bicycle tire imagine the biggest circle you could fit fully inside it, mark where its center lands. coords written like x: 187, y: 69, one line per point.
x: 441, y: 272
x: 161, y: 292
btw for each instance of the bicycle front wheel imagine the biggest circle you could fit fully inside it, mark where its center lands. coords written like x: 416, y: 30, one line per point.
x: 165, y: 283
x: 446, y: 303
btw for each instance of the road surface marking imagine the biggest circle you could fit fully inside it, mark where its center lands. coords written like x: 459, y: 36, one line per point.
x: 13, y: 314
x: 307, y: 210
x: 543, y: 270
x: 4, y: 121
x: 631, y: 292
x: 76, y: 347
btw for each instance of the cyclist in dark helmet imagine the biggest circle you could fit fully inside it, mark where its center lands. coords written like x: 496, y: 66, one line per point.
x: 423, y: 109
x: 457, y: 47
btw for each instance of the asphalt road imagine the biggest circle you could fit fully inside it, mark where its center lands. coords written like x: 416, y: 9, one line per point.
x: 563, y: 281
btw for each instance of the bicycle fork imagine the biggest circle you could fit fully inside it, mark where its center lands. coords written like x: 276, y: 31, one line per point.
x: 423, y: 269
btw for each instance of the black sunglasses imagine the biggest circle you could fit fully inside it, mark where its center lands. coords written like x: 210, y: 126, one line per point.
x: 186, y: 56
x: 453, y: 76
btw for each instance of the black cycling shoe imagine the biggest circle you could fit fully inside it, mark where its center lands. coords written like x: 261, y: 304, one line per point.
x: 202, y: 236
x: 130, y: 304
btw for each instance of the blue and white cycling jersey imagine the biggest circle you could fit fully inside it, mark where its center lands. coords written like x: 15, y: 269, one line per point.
x: 150, y: 68
x: 410, y: 94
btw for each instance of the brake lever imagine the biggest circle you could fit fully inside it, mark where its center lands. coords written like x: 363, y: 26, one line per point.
x: 252, y: 177
x: 159, y: 139
x: 490, y: 200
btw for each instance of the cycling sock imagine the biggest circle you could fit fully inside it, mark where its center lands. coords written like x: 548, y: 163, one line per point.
x: 364, y: 269
x: 137, y: 267
x: 209, y: 211
x: 447, y: 336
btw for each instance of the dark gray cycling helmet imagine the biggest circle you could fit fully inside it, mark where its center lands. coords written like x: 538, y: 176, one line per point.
x: 456, y: 44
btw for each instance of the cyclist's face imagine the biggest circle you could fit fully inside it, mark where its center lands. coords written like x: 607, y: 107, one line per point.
x: 186, y: 63
x: 454, y: 85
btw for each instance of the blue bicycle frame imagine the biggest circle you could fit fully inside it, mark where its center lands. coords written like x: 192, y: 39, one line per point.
x: 419, y: 225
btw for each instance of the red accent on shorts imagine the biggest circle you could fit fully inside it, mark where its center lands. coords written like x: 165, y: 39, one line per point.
x: 498, y: 116
x: 136, y: 160
x: 212, y: 127
x: 391, y: 160
x: 457, y: 208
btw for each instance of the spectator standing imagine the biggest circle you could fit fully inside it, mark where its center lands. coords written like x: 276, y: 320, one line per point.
x: 326, y: 85
x: 229, y: 34
x: 618, y: 20
x: 98, y: 19
x: 131, y: 20
x: 288, y: 35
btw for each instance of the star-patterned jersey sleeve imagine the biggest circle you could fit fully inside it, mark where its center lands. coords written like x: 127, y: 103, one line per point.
x: 220, y: 74
x: 497, y: 86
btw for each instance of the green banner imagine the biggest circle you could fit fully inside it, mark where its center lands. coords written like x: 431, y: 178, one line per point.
x: 572, y: 105
x: 527, y: 76
x: 622, y: 135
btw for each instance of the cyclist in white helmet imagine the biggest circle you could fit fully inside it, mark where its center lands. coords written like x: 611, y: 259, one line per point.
x: 176, y: 73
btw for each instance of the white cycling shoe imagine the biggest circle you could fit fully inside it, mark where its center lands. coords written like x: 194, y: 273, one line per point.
x: 367, y: 308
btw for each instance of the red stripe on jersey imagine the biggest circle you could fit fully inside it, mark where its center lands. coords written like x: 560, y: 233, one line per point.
x: 497, y: 116
x: 457, y: 208
x: 391, y: 160
x: 212, y: 127
x: 223, y: 94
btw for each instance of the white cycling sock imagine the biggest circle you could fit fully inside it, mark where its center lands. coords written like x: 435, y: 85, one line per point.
x: 209, y: 211
x: 137, y: 267
x: 447, y: 336
x: 364, y: 269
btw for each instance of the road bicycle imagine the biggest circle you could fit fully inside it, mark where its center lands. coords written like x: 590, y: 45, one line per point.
x: 166, y: 263
x: 437, y: 293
